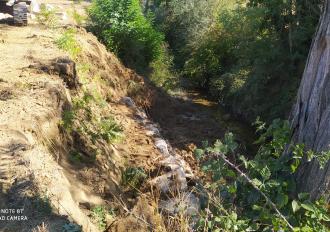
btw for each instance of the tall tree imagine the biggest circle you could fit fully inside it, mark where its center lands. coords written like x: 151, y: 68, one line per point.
x: 310, y: 117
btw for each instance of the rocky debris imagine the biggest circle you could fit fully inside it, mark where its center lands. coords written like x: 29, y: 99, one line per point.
x: 162, y: 146
x: 171, y: 181
x: 176, y: 162
x: 177, y: 171
x: 66, y: 68
x: 128, y: 102
x: 152, y: 130
x: 187, y: 204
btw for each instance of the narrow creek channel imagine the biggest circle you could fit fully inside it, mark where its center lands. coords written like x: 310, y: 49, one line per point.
x: 189, y: 119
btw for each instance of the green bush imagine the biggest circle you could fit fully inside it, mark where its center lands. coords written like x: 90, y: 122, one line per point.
x: 123, y: 27
x: 84, y: 118
x: 162, y: 73
x: 68, y: 42
x: 253, y: 55
x: 245, y: 200
x: 99, y: 215
x: 133, y: 177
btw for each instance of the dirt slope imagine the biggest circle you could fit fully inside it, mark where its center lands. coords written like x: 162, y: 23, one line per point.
x: 35, y: 171
x: 30, y: 107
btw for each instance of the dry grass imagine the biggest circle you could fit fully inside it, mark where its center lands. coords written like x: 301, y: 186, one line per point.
x: 41, y: 228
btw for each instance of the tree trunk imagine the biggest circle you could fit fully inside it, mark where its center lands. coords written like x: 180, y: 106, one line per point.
x: 310, y: 118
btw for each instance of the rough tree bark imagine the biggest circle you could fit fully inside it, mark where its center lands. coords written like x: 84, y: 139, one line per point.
x: 310, y: 118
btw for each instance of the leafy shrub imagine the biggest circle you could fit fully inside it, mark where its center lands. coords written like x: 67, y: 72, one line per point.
x: 69, y: 43
x: 95, y: 126
x: 162, y: 73
x: 253, y: 55
x: 109, y: 129
x: 133, y: 177
x: 263, y: 197
x: 121, y: 25
x: 183, y: 23
x: 99, y: 214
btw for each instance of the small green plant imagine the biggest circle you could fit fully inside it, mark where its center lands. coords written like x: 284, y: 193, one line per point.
x: 75, y: 156
x: 84, y: 119
x: 47, y: 17
x: 99, y: 215
x: 110, y: 130
x: 78, y: 18
x: 262, y: 197
x: 67, y: 120
x: 69, y: 43
x: 133, y: 177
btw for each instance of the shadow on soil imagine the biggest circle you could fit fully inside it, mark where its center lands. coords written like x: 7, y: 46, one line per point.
x: 28, y: 211
x: 192, y: 119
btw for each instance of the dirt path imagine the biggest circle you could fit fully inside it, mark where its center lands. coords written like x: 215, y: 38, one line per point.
x: 30, y: 108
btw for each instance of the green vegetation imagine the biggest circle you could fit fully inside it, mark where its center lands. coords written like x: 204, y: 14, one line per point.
x: 47, y: 17
x: 133, y: 177
x: 83, y: 117
x: 69, y: 43
x: 122, y: 26
x: 78, y: 18
x: 99, y: 214
x: 248, y: 55
x: 132, y: 35
x: 244, y: 54
x: 258, y: 194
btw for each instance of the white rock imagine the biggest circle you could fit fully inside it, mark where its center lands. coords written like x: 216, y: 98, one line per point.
x: 175, y: 180
x: 152, y: 130
x: 128, y: 101
x: 10, y: 2
x: 180, y: 179
x: 162, y: 146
